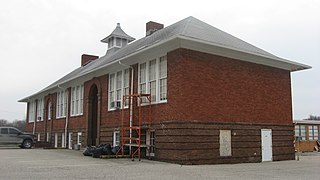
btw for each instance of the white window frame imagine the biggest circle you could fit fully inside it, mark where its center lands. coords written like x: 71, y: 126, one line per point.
x: 62, y: 101
x: 299, y: 133
x: 49, y: 110
x: 146, y: 82
x: 77, y: 100
x: 32, y: 111
x: 116, y: 134
x: 313, y: 133
x: 40, y: 109
x: 118, y: 90
x: 56, y: 136
x: 163, y: 77
x: 70, y: 140
x: 63, y: 140
x: 48, y: 137
x: 79, y: 138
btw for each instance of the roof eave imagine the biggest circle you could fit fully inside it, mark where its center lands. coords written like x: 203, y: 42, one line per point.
x: 242, y: 55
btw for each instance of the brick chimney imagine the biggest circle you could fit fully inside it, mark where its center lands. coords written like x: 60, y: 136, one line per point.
x: 152, y: 27
x: 86, y: 58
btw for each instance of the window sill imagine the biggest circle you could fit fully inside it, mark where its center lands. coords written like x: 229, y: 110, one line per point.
x: 115, y: 109
x: 76, y: 115
x: 60, y: 117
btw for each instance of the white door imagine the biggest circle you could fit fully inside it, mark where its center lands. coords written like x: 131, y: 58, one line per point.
x: 70, y: 141
x: 266, y: 144
x: 55, y: 140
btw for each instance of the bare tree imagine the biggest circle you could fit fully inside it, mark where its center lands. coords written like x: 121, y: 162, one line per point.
x: 19, y: 124
x: 3, y: 122
x: 313, y: 117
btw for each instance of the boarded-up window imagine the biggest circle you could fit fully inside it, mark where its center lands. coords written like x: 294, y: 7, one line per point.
x: 225, y: 142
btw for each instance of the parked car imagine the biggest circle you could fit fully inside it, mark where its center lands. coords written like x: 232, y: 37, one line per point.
x: 11, y: 136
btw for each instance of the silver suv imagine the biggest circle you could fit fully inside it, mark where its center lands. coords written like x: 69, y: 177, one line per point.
x: 11, y: 135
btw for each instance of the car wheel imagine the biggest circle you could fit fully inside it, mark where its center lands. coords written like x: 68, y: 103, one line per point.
x: 27, y: 143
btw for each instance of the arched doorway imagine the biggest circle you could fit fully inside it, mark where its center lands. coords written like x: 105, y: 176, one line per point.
x: 93, y: 116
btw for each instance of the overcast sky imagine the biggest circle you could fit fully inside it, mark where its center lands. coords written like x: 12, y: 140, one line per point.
x: 42, y: 40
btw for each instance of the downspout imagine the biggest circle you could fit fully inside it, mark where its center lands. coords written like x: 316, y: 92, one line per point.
x: 131, y: 103
x: 67, y: 118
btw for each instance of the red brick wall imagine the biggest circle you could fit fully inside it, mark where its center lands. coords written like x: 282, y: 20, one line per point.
x: 206, y: 87
x: 201, y: 87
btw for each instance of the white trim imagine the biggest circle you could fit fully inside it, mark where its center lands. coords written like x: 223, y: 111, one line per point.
x: 77, y: 100
x: 156, y: 79
x: 55, y: 140
x: 49, y: 111
x: 70, y: 140
x: 62, y: 100
x: 40, y: 109
x: 115, y: 135
x: 116, y: 89
x: 32, y: 111
x: 63, y: 141
x: 79, y: 134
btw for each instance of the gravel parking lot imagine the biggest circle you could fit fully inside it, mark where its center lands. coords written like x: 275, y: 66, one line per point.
x: 68, y: 164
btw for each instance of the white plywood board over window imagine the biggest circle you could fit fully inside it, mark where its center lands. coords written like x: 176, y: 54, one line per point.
x: 225, y: 142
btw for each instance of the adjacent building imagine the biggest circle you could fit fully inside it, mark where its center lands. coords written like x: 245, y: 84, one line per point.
x: 307, y: 135
x: 214, y: 98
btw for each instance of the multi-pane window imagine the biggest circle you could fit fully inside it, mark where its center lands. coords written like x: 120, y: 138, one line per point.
x: 62, y: 100
x: 77, y: 100
x: 163, y: 78
x: 142, y: 78
x: 116, y: 138
x: 153, y: 79
x: 49, y: 110
x: 111, y: 90
x: 79, y: 138
x: 118, y: 87
x: 313, y: 133
x: 40, y: 109
x: 126, y: 85
x: 300, y: 131
x: 32, y: 111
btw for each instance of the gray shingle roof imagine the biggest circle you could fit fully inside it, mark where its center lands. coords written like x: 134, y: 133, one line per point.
x: 189, y: 27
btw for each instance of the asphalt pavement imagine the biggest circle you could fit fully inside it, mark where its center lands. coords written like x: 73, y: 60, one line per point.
x: 52, y: 164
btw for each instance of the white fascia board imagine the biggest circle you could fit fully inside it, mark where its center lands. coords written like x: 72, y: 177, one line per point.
x: 306, y: 122
x: 211, y: 48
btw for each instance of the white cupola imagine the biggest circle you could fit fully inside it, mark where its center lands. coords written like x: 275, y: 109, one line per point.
x: 117, y: 39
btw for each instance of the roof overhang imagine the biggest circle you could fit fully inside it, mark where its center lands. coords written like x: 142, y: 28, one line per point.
x: 306, y: 122
x: 216, y: 49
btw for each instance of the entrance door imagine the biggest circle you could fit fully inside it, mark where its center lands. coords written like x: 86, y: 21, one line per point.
x: 93, y: 116
x: 266, y: 144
